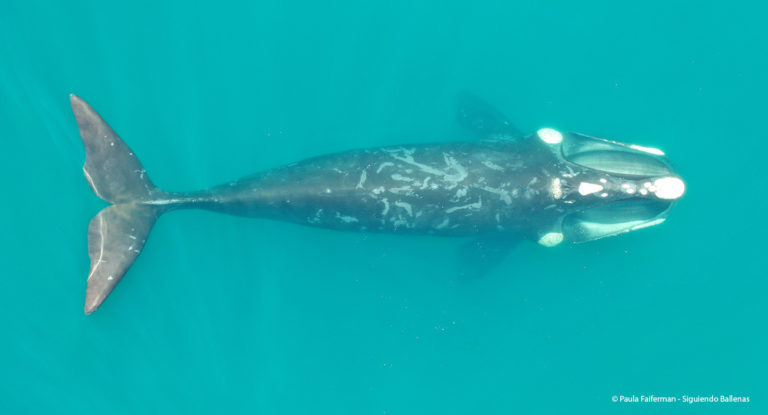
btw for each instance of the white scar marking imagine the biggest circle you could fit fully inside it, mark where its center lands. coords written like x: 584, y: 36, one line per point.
x: 346, y: 219
x: 401, y: 178
x: 443, y: 224
x: 589, y: 188
x: 386, y: 206
x: 424, y: 185
x: 399, y: 221
x: 164, y: 201
x: 408, y: 158
x: 384, y: 165
x: 363, y: 176
x: 378, y: 190
x: 406, y: 206
x: 459, y: 172
x: 90, y: 181
x: 101, y: 247
x: 401, y: 190
x: 316, y: 219
x: 493, y: 166
x: 503, y: 194
x: 476, y: 205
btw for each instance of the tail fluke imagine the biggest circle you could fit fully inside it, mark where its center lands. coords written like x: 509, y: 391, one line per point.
x: 117, y: 234
x: 116, y: 237
x: 112, y: 169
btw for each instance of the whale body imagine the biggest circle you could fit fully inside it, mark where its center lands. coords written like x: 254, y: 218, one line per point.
x: 503, y: 187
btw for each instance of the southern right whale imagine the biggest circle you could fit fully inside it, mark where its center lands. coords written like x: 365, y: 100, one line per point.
x: 499, y: 188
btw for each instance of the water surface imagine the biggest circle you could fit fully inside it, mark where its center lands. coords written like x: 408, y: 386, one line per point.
x: 228, y: 315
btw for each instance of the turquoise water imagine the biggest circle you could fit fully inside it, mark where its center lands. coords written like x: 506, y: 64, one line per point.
x: 227, y: 315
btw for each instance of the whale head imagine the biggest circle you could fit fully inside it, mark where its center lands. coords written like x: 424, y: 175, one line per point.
x: 607, y: 187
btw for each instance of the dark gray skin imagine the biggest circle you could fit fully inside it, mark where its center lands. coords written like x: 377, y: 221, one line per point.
x: 501, y: 189
x: 455, y: 189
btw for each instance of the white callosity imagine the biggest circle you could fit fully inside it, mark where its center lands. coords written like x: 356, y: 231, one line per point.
x: 586, y: 188
x: 550, y: 135
x: 669, y: 188
x: 557, y: 188
x: 551, y: 239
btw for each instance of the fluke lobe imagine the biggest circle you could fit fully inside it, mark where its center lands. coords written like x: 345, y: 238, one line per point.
x: 500, y: 187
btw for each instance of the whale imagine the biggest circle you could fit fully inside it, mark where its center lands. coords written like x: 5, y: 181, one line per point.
x: 495, y: 188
